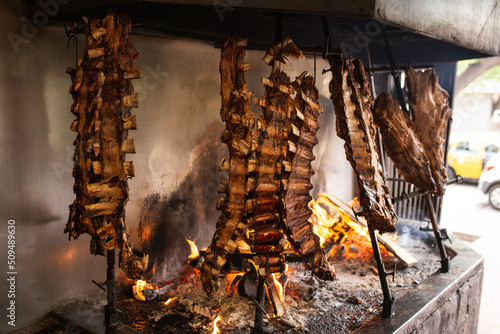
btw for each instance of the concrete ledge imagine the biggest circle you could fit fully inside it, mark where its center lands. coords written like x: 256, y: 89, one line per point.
x: 444, y: 303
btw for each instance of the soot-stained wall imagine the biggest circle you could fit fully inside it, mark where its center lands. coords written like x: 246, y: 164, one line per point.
x: 178, y: 147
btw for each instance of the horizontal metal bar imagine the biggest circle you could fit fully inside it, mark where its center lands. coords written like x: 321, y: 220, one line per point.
x: 385, y: 69
x: 304, y: 49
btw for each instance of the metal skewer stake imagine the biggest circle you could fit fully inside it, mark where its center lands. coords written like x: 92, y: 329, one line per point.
x: 110, y: 311
x: 445, y: 259
x: 259, y: 314
x: 388, y: 303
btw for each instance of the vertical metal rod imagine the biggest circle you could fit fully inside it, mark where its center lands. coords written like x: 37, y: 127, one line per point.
x: 395, y: 73
x: 315, y: 66
x: 280, y: 28
x: 259, y: 315
x: 110, y: 312
x: 445, y: 259
x: 388, y: 300
x: 374, y: 95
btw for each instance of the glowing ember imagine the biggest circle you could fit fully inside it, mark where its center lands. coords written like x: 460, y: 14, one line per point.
x: 194, y: 250
x: 169, y: 301
x: 216, y: 329
x: 229, y: 279
x: 140, y: 286
x: 279, y: 287
x: 137, y: 290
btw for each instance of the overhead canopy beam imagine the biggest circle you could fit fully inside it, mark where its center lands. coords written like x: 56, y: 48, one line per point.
x: 471, y: 24
x: 420, y: 32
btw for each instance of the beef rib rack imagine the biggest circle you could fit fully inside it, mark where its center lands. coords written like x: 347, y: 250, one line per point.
x: 103, y: 96
x: 401, y: 143
x: 352, y: 101
x: 431, y: 112
x: 264, y: 201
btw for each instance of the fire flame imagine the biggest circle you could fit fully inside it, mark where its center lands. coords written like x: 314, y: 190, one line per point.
x: 216, y: 329
x: 279, y: 287
x: 140, y: 286
x: 229, y: 279
x: 322, y: 221
x: 137, y: 290
x: 169, y: 301
x: 194, y: 250
x: 335, y: 226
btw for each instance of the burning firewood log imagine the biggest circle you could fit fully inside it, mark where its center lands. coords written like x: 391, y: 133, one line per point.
x: 352, y: 100
x: 103, y: 96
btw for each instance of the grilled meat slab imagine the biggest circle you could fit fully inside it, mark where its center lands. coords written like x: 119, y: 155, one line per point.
x: 268, y: 166
x: 302, y: 139
x: 431, y: 112
x: 240, y: 122
x: 103, y: 96
x: 352, y: 101
x: 401, y: 143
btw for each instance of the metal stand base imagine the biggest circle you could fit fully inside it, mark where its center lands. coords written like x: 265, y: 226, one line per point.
x: 259, y: 315
x: 387, y: 305
x: 445, y: 259
x: 110, y: 311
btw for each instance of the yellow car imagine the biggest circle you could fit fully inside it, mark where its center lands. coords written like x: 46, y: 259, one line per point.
x: 467, y: 158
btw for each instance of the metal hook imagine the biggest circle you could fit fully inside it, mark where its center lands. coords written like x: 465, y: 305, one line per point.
x: 71, y: 33
x: 326, y: 70
x: 326, y: 31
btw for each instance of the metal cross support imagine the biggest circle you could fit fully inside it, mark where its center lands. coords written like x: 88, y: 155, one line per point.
x: 404, y: 196
x: 445, y: 259
x: 388, y: 303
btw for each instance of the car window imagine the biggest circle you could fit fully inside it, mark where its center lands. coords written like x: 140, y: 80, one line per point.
x: 468, y: 147
x: 490, y: 150
x: 463, y: 146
